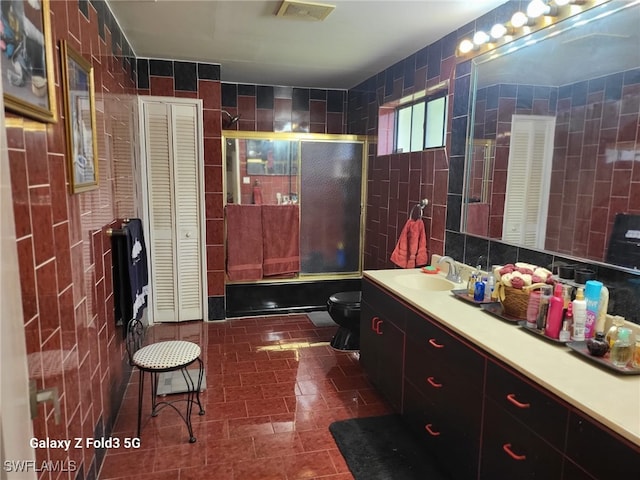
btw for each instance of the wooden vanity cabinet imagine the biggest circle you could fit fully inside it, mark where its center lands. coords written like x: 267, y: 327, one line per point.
x: 601, y: 453
x: 382, y: 337
x: 443, y: 395
x: 476, y: 416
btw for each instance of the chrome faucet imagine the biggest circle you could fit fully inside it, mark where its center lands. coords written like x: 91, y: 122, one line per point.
x: 452, y: 273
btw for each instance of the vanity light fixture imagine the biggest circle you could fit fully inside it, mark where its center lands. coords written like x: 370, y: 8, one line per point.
x: 499, y: 30
x: 466, y: 46
x: 522, y: 24
x: 481, y: 37
x: 520, y: 19
x: 538, y: 8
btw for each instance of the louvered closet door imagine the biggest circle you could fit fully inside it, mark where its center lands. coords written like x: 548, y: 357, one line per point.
x: 174, y: 211
x: 528, y: 180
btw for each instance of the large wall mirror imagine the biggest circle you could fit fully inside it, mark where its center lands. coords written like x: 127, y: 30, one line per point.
x: 553, y: 153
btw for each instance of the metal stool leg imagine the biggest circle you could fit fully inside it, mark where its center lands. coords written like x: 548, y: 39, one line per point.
x: 140, y: 392
x: 190, y: 394
x: 200, y: 377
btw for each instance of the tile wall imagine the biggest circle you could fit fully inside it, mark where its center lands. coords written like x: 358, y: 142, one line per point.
x: 265, y: 108
x: 64, y: 254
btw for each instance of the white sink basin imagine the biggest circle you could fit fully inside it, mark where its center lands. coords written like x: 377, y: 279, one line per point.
x: 423, y: 281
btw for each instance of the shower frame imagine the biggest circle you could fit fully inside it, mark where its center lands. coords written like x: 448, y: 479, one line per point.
x: 298, y: 137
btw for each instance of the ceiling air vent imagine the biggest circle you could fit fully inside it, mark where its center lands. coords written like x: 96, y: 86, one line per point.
x: 304, y: 10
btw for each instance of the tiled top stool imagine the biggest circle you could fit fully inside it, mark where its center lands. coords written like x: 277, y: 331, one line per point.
x: 160, y: 357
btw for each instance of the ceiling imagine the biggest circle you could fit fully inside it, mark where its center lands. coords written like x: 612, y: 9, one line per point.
x: 356, y: 40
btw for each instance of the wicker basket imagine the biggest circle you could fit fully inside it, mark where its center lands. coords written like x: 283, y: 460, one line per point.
x: 515, y: 302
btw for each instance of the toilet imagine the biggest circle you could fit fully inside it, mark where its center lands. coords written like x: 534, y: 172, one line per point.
x: 344, y: 309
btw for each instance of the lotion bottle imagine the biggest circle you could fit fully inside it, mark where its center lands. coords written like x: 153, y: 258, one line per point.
x: 579, y: 316
x: 554, y: 316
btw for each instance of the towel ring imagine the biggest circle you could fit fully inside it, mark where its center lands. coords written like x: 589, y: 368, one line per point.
x: 420, y: 206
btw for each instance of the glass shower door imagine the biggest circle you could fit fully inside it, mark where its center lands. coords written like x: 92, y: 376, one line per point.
x: 330, y: 206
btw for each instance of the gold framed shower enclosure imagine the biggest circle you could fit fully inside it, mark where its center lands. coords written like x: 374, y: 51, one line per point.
x: 325, y: 174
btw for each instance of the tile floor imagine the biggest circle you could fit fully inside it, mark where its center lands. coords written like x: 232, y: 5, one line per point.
x: 274, y: 385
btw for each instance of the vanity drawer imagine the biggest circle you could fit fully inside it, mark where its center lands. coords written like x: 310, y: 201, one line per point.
x: 435, y: 378
x: 436, y: 348
x: 383, y: 304
x: 511, y: 450
x: 527, y: 403
x: 448, y: 434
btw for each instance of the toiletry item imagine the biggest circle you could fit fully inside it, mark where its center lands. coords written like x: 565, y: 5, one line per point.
x: 565, y: 334
x: 635, y: 361
x: 478, y: 293
x: 489, y: 288
x: 532, y: 308
x: 568, y: 320
x: 554, y: 315
x: 471, y: 284
x: 597, y: 345
x: 603, y: 306
x: 341, y: 259
x: 278, y: 198
x: 579, y: 316
x: 545, y: 295
x: 622, y: 350
x: 612, y: 333
x: 592, y: 291
x: 567, y: 293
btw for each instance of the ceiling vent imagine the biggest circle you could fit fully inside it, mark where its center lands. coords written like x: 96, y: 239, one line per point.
x: 304, y: 10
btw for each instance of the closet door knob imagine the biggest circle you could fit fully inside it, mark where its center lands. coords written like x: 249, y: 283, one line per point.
x: 188, y: 235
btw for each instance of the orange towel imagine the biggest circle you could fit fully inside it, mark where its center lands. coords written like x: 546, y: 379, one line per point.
x: 411, y: 249
x: 281, y: 239
x: 244, y: 242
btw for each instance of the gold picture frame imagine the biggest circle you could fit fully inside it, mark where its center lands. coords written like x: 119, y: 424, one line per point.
x: 28, y: 82
x: 80, y: 120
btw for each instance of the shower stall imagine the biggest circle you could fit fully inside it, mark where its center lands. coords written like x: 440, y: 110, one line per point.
x: 322, y: 180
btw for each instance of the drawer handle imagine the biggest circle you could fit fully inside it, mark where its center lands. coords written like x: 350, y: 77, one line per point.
x: 435, y: 344
x: 507, y: 448
x: 433, y: 383
x: 431, y: 432
x: 512, y: 398
x: 377, y: 329
x: 373, y: 321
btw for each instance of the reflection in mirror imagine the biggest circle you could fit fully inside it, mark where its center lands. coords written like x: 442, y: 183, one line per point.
x: 562, y: 107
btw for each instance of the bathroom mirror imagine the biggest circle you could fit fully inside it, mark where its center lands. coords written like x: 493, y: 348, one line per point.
x: 553, y: 153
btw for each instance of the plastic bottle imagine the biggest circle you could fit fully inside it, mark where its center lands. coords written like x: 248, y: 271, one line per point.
x: 491, y: 285
x: 478, y: 293
x: 636, y: 353
x: 592, y: 292
x: 622, y: 349
x: 471, y: 284
x: 579, y: 316
x: 341, y: 259
x: 541, y: 319
x: 567, y: 324
x: 554, y: 315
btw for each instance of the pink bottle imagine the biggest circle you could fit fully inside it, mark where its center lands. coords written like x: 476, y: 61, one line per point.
x: 554, y: 316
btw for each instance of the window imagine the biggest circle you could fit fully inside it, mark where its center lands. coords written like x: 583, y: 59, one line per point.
x: 421, y: 124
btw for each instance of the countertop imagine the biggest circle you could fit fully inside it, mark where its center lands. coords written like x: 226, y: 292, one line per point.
x: 606, y: 396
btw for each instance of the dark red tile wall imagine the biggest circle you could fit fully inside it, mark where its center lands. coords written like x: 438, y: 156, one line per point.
x: 64, y: 252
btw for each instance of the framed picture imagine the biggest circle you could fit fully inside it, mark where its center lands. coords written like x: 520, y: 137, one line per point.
x: 27, y: 59
x: 80, y: 120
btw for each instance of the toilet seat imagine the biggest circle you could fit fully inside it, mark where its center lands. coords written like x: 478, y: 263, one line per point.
x: 348, y: 302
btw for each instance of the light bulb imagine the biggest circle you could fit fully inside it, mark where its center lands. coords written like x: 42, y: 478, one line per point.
x: 519, y: 19
x: 498, y: 31
x: 562, y: 3
x: 480, y: 37
x: 536, y: 8
x: 465, y: 46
